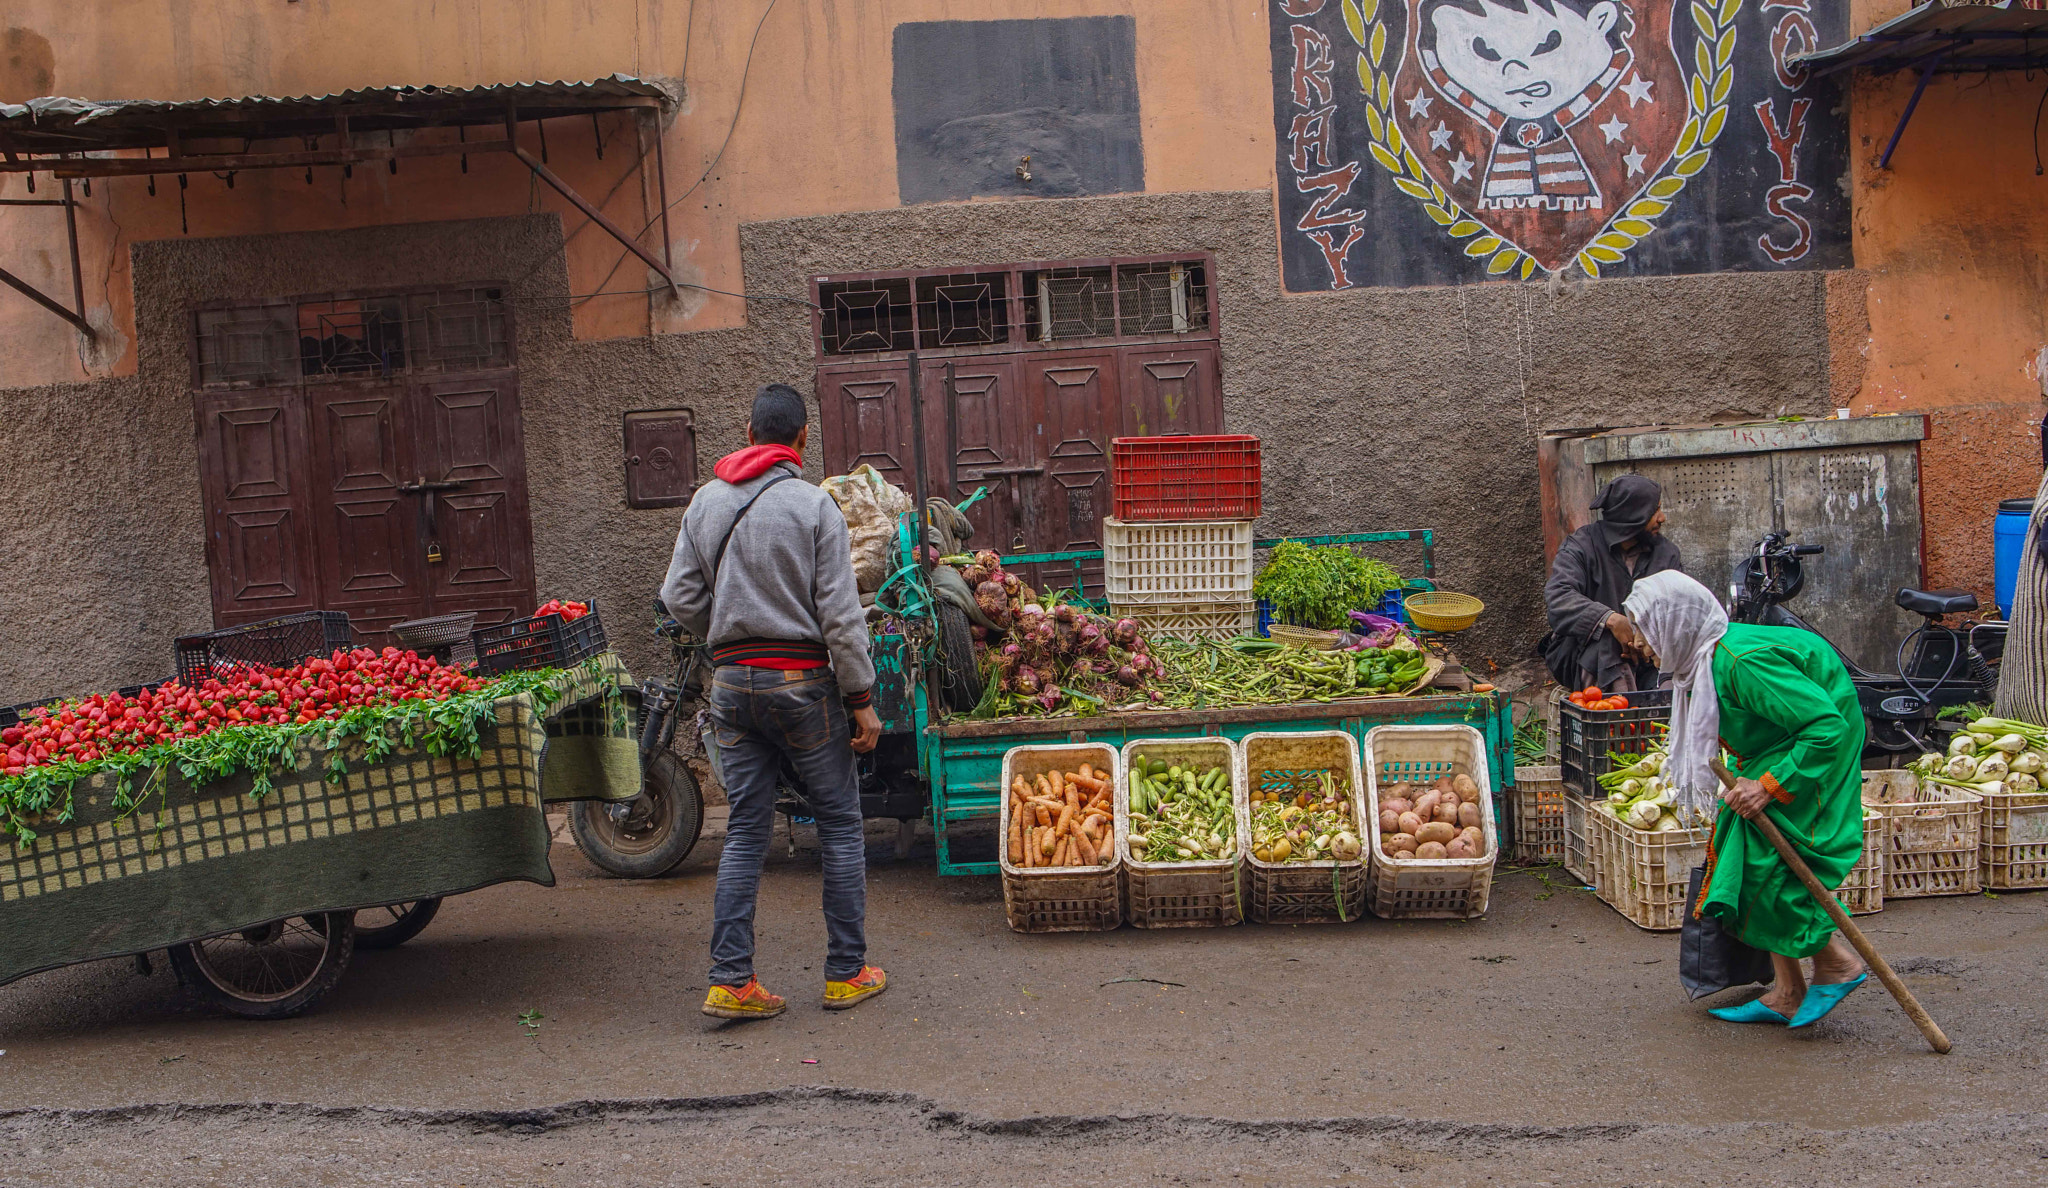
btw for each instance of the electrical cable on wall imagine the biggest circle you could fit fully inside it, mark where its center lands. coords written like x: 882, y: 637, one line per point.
x: 746, y: 75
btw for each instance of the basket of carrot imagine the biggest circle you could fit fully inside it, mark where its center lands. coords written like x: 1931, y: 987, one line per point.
x: 1058, y: 856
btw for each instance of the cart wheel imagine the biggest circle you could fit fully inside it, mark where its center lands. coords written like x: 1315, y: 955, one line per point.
x: 959, y: 678
x: 650, y: 834
x: 393, y: 924
x: 271, y: 971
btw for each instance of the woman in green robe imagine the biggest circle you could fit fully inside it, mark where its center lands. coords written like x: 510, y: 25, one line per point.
x: 1780, y: 701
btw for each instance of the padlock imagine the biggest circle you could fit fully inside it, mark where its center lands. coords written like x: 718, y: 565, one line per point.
x: 434, y: 553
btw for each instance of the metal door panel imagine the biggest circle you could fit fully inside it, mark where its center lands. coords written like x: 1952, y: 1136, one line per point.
x: 864, y: 417
x: 985, y: 433
x: 362, y: 453
x: 1862, y: 505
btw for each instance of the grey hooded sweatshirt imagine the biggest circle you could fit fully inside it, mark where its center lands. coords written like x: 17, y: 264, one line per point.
x: 787, y: 575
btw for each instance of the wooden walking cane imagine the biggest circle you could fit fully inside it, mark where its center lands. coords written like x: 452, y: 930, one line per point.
x: 1914, y: 1011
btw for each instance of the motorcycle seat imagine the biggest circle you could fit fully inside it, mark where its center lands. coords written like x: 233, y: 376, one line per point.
x: 1936, y: 602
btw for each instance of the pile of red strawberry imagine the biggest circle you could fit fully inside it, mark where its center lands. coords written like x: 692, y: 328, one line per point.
x: 108, y: 723
x: 570, y: 611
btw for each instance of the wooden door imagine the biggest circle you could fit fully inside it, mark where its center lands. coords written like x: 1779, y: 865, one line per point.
x: 864, y: 415
x: 978, y: 428
x: 259, y: 527
x: 1070, y: 403
x: 363, y: 444
x: 471, y: 502
x: 317, y: 499
x: 1175, y: 388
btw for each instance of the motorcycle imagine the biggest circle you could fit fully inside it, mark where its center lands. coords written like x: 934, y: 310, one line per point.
x: 651, y: 833
x: 1939, y: 665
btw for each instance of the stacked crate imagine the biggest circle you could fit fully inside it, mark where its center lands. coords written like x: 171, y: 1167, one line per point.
x: 1177, y: 556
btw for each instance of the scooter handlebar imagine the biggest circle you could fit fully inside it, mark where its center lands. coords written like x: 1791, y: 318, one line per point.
x: 1808, y: 550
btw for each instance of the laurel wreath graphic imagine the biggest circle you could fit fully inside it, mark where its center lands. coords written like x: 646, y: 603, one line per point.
x: 1707, y: 88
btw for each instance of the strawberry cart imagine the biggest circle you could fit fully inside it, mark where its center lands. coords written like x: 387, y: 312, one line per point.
x: 281, y: 805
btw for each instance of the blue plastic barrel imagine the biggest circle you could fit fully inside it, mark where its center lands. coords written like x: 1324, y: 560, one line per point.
x: 2008, y: 537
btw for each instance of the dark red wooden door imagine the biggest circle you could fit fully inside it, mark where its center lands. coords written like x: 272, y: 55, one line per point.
x: 1034, y: 427
x: 259, y: 524
x: 318, y: 498
x: 479, y: 524
x: 363, y: 443
x: 1170, y: 389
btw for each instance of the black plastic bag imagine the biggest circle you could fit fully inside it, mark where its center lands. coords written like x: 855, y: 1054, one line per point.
x: 1710, y: 959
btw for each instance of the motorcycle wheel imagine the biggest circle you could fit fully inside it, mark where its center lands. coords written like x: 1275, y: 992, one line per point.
x: 271, y: 971
x: 656, y: 830
x: 959, y: 678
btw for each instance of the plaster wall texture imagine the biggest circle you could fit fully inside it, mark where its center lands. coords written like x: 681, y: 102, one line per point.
x: 1952, y: 253
x: 1379, y: 409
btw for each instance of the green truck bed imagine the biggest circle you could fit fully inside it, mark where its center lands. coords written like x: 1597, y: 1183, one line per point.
x: 965, y: 758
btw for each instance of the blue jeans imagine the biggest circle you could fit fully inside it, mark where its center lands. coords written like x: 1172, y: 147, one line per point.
x: 760, y: 715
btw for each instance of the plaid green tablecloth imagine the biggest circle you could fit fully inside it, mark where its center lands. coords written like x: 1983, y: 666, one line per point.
x: 194, y: 861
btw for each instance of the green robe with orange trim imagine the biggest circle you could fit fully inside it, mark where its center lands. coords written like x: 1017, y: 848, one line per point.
x: 1790, y: 717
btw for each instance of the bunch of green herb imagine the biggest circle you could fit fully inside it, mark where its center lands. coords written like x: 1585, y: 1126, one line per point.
x: 1315, y: 587
x: 1532, y: 743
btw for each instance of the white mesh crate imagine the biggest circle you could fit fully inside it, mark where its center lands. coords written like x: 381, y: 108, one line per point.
x: 1191, y: 620
x: 1204, y: 561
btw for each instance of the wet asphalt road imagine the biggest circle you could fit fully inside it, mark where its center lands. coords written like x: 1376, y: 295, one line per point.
x: 1546, y: 1044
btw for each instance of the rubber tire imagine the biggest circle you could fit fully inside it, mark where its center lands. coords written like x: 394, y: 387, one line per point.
x: 667, y: 778
x: 408, y: 924
x: 959, y: 678
x: 340, y: 930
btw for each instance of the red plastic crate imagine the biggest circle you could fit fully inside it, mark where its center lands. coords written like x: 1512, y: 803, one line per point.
x: 1185, y: 478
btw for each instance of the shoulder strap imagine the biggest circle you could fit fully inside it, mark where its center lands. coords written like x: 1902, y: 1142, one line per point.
x: 725, y: 540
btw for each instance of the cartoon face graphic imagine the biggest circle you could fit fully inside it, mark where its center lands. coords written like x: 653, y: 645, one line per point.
x: 1524, y: 58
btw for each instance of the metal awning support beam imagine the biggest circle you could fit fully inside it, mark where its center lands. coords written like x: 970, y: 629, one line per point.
x: 75, y: 317
x: 595, y: 215
x: 69, y: 167
x: 1927, y: 68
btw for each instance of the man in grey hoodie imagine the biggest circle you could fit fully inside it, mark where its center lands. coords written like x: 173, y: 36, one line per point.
x: 763, y: 572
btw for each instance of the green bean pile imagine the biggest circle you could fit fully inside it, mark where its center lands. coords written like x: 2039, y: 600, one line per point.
x: 1259, y: 672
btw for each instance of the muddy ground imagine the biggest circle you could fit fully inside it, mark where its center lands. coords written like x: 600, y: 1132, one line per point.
x: 1546, y: 1044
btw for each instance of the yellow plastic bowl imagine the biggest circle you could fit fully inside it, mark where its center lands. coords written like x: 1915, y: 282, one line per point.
x: 1441, y: 610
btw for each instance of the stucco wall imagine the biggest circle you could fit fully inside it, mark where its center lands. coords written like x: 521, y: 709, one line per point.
x: 1379, y: 409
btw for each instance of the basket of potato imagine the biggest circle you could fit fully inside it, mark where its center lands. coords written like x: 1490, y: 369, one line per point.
x: 1433, y: 840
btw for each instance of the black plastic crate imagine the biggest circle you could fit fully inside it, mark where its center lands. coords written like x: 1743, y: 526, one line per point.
x: 544, y: 641
x: 274, y: 643
x: 12, y: 715
x: 1584, y: 737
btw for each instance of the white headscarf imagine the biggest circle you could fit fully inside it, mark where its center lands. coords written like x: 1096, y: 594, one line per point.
x: 1681, y: 621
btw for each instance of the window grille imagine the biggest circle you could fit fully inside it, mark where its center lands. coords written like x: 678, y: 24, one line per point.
x: 1069, y: 303
x: 963, y: 309
x: 257, y: 345
x: 353, y: 337
x: 866, y: 315
x: 1162, y: 298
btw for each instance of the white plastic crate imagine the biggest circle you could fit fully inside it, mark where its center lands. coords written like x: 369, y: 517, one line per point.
x: 1192, y: 620
x: 1199, y: 894
x: 1176, y: 563
x: 1427, y: 888
x: 1058, y: 898
x: 1325, y: 891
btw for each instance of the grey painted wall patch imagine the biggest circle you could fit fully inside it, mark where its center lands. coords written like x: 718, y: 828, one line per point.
x: 973, y: 98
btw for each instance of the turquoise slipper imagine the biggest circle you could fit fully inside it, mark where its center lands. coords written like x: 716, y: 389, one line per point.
x: 1820, y: 999
x: 1753, y: 1011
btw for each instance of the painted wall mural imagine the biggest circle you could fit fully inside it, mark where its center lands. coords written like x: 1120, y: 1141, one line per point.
x: 1431, y: 142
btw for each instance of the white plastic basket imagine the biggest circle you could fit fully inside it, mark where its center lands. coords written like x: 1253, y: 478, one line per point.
x: 1428, y: 888
x: 1200, y: 894
x: 1325, y: 891
x: 1176, y: 562
x: 1059, y: 898
x: 1190, y: 620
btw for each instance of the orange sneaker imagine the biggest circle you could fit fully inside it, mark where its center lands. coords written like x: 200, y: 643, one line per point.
x: 862, y: 986
x: 743, y: 1002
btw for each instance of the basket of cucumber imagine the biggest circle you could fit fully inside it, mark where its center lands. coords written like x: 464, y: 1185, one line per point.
x: 1179, y: 820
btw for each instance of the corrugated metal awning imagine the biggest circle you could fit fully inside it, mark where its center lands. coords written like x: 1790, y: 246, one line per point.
x: 1945, y: 36
x: 58, y: 124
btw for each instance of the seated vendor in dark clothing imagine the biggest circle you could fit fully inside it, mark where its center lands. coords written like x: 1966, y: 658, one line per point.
x: 1591, y: 642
